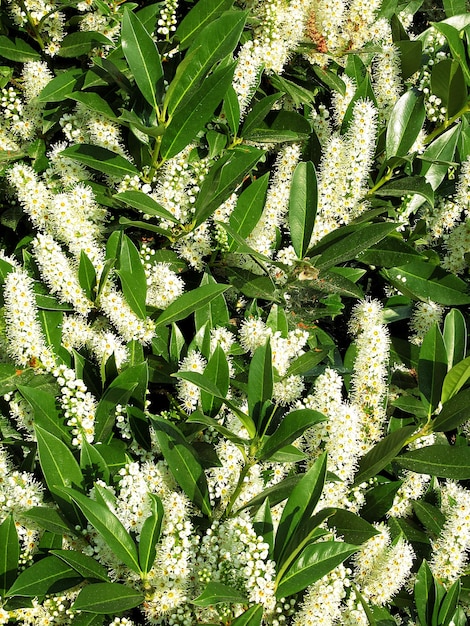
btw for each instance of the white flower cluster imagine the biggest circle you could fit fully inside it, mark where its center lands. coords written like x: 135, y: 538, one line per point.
x: 382, y: 567
x: 78, y: 403
x: 369, y: 378
x: 423, y: 317
x: 163, y: 284
x: 322, y: 602
x: 45, y: 16
x: 188, y: 393
x: 263, y: 235
x: 344, y: 169
x: 166, y: 23
x: 450, y: 549
x: 84, y: 126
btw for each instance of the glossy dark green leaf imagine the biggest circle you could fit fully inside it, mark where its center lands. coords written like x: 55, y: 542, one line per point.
x: 277, y: 493
x: 249, y: 208
x: 95, y: 103
x: 423, y: 593
x: 424, y: 281
x: 432, y: 366
x: 202, y: 13
x: 251, y: 617
x: 101, y: 159
x: 448, y: 84
x: 352, y: 528
x: 196, y: 112
x: 109, y: 527
x: 455, y: 379
x: 199, y: 418
x: 86, y: 566
x: 150, y: 534
x: 223, y: 178
x: 455, y: 337
x: 300, y: 505
x: 263, y: 524
x: 438, y: 460
x: 353, y: 244
x: 217, y: 40
x: 330, y: 78
x: 183, y: 463
x: 214, y: 313
x: 231, y: 110
x: 382, y: 454
x: 410, y: 56
x: 189, y: 302
x: 87, y: 276
x: 132, y: 276
x: 305, y: 363
x: 130, y: 383
x: 406, y: 120
x: 260, y: 379
x: 145, y: 203
x: 430, y: 516
x: 216, y: 593
x: 75, y: 44
x: 409, y: 185
x: 18, y: 50
x: 142, y: 56
x: 302, y: 206
x: 390, y: 252
x: 379, y: 500
x: 456, y: 46
x: 438, y: 155
x: 11, y: 377
x: 217, y: 370
x: 9, y: 553
x: 258, y: 113
x: 87, y: 619
x: 62, y: 86
x: 449, y: 605
x: 107, y: 598
x: 49, y: 519
x: 454, y: 7
x: 292, y: 426
x: 93, y: 465
x: 49, y: 575
x: 59, y: 467
x: 315, y: 562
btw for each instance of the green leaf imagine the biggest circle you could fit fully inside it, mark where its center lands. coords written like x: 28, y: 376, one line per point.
x: 302, y: 206
x: 423, y: 281
x: 87, y: 276
x: 300, y: 505
x: 432, y: 366
x: 215, y: 42
x: 145, y: 203
x: 315, y: 562
x: 223, y: 178
x: 196, y: 111
x: 352, y: 528
x: 456, y: 47
x: 438, y: 460
x: 217, y: 370
x: 183, y: 463
x: 82, y: 42
x: 93, y: 465
x: 49, y: 575
x: 382, y: 454
x: 59, y: 467
x: 18, y: 51
x: 406, y: 120
x: 423, y: 588
x: 260, y: 380
x: 202, y: 13
x: 292, y: 426
x: 455, y: 379
x: 430, y: 516
x: 277, y: 493
x: 305, y: 363
x: 150, y: 534
x: 214, y: 313
x: 109, y: 527
x: 263, y: 524
x: 454, y: 7
x: 248, y: 209
x: 258, y: 113
x: 410, y: 56
x: 353, y: 244
x: 9, y: 554
x: 251, y: 617
x: 455, y: 337
x: 142, y: 56
x: 87, y: 619
x: 189, y: 302
x: 62, y: 86
x: 107, y: 598
x: 49, y: 519
x: 86, y: 566
x: 131, y: 382
x: 216, y: 593
x: 379, y: 500
x: 448, y: 84
x: 438, y: 155
x: 389, y: 252
x: 231, y: 110
x: 11, y: 377
x: 101, y: 159
x: 132, y: 275
x: 449, y: 604
x: 94, y: 102
x: 409, y: 185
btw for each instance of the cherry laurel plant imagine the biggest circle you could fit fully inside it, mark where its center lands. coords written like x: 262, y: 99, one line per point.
x: 234, y: 268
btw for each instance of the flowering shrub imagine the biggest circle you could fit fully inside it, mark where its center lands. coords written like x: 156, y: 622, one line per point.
x: 234, y: 382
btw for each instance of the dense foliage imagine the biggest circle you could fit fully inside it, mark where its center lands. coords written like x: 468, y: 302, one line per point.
x: 234, y: 267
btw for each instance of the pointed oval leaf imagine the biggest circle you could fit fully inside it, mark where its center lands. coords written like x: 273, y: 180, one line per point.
x: 424, y: 583
x: 189, y: 302
x: 49, y: 575
x: 292, y: 426
x: 216, y: 593
x: 409, y: 185
x: 315, y: 562
x: 183, y: 462
x: 46, y: 414
x: 145, y: 203
x: 75, y: 44
x: 438, y: 460
x: 260, y: 379
x: 302, y: 206
x: 455, y: 379
x: 432, y: 366
x: 18, y: 51
x: 455, y: 337
x: 352, y: 528
x: 49, y: 519
x: 87, y: 276
x: 251, y: 617
x: 101, y: 159
x: 448, y: 84
x: 249, y: 208
x: 150, y: 534
x: 202, y: 13
x: 107, y: 598
x: 142, y: 56
x: 406, y: 120
x: 216, y: 370
x: 62, y: 86
x: 86, y: 566
x: 109, y: 527
x: 9, y: 554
